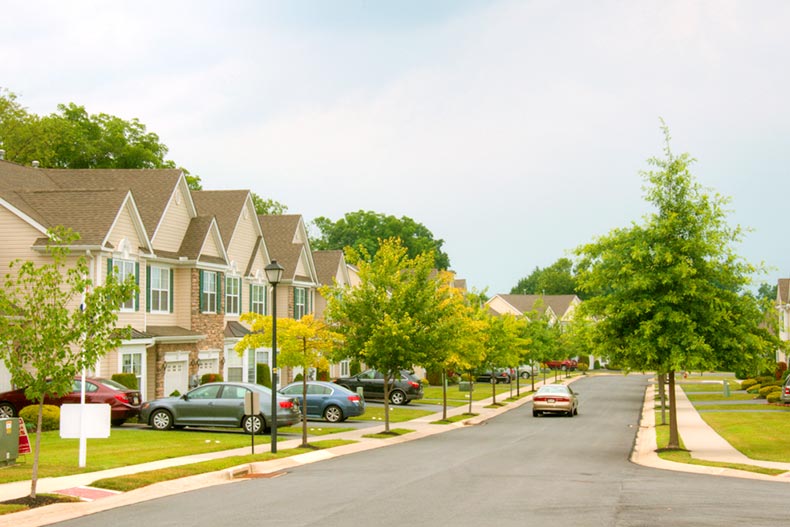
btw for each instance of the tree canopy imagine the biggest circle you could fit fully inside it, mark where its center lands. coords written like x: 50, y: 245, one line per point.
x: 366, y: 229
x: 670, y: 291
x: 556, y: 279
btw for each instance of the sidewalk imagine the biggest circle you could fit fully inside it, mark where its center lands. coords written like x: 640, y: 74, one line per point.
x: 102, y: 500
x: 700, y: 439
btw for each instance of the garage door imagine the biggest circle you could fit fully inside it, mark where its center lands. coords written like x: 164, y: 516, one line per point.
x: 176, y: 377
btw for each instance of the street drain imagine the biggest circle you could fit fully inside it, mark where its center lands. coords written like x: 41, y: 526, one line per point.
x: 267, y: 475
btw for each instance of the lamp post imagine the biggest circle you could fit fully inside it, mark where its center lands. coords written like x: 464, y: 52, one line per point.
x: 274, y: 273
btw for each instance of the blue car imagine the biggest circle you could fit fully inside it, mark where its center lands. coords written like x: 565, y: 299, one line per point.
x: 326, y: 400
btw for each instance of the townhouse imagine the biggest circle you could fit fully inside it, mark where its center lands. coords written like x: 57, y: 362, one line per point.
x: 198, y: 258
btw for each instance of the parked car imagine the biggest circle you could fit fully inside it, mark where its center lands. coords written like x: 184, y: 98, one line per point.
x: 326, y: 400
x: 124, y: 403
x: 499, y: 376
x: 525, y: 371
x: 785, y: 397
x: 555, y: 398
x: 402, y: 391
x: 219, y: 404
x: 564, y: 365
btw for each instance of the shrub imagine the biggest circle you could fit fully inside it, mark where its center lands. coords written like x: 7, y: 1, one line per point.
x: 354, y: 368
x: 263, y: 374
x: 210, y: 377
x: 434, y: 376
x: 597, y: 365
x: 127, y: 379
x: 765, y: 390
x: 298, y: 377
x: 748, y: 383
x: 765, y: 379
x: 754, y: 389
x: 175, y: 393
x: 322, y: 375
x: 774, y: 397
x: 50, y: 417
x: 583, y: 367
x: 583, y: 359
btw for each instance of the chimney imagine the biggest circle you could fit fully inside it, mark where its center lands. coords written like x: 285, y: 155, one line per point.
x: 35, y: 164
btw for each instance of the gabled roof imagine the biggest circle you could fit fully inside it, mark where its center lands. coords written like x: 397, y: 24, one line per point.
x: 198, y: 232
x: 558, y: 305
x: 327, y: 266
x: 226, y: 205
x: 91, y: 213
x: 286, y: 240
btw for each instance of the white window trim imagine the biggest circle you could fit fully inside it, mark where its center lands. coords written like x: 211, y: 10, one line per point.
x: 166, y: 290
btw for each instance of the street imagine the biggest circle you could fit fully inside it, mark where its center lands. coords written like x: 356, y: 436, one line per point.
x: 511, y: 470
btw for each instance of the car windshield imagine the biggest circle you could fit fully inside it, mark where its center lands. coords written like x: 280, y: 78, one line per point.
x: 553, y: 389
x: 112, y: 384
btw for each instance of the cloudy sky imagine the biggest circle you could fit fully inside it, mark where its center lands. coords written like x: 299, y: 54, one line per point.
x: 514, y: 130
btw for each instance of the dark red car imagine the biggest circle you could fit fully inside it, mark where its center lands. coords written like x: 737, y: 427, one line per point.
x: 124, y: 403
x: 564, y: 365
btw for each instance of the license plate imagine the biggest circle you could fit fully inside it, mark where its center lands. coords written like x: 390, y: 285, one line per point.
x: 550, y: 401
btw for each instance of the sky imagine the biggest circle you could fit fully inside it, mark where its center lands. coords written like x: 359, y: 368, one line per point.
x: 515, y: 131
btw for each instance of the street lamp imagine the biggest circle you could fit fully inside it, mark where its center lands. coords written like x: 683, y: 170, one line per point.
x: 274, y: 273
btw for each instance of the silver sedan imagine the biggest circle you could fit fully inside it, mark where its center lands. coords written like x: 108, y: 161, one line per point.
x: 555, y: 398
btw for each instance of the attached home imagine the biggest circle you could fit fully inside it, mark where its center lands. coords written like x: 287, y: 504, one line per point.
x: 559, y: 308
x: 331, y: 270
x: 783, y: 308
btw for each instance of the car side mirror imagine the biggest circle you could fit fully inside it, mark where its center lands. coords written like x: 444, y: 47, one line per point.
x: 185, y: 397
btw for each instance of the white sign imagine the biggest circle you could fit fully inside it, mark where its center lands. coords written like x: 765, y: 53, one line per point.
x: 97, y: 421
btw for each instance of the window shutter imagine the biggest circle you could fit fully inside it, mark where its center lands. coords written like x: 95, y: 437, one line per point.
x: 200, y: 291
x: 171, y: 272
x: 109, y: 267
x: 147, y: 288
x: 137, y: 282
x: 220, y: 281
x: 250, y: 288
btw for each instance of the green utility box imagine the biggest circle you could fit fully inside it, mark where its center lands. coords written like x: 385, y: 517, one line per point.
x: 464, y: 386
x: 9, y: 441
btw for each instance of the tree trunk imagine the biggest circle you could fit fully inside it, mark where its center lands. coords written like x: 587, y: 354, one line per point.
x: 444, y: 394
x: 471, y: 391
x: 386, y: 403
x: 304, y: 410
x: 674, y: 437
x: 662, y: 392
x: 34, y: 475
x: 493, y: 388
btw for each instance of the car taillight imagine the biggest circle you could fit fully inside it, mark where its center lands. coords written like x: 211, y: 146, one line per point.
x: 353, y: 398
x: 122, y: 397
x: 414, y: 384
x: 787, y: 390
x: 286, y: 404
x: 539, y: 399
x: 561, y: 399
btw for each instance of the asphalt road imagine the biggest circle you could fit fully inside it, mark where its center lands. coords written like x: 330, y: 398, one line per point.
x: 512, y: 470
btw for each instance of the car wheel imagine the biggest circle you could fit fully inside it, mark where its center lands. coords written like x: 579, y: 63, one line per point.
x: 117, y: 422
x: 398, y: 397
x: 333, y: 414
x: 6, y: 410
x: 525, y: 375
x: 161, y: 420
x: 535, y: 413
x: 254, y: 424
x: 576, y: 411
x: 564, y: 367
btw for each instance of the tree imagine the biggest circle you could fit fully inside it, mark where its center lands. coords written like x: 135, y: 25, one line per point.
x: 365, y: 229
x: 51, y: 338
x: 503, y: 344
x: 557, y: 279
x: 388, y: 320
x: 305, y: 343
x: 670, y: 289
x: 267, y: 206
x: 72, y: 138
x: 542, y: 338
x: 767, y: 291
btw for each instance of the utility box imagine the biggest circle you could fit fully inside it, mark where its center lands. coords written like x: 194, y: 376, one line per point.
x: 9, y: 441
x: 464, y: 386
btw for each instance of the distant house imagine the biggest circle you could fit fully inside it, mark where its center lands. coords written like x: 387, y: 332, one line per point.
x: 783, y: 308
x: 558, y: 308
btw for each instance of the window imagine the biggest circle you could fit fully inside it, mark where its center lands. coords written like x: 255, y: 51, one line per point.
x: 159, y: 287
x: 300, y: 302
x: 344, y: 368
x: 123, y: 269
x: 133, y: 363
x: 232, y: 295
x: 258, y: 299
x: 208, y: 292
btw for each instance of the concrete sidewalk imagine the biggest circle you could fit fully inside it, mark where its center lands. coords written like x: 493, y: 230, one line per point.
x: 703, y: 442
x: 107, y: 500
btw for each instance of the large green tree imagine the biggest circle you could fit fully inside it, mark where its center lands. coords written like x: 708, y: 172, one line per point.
x: 47, y: 338
x: 389, y: 319
x: 366, y: 229
x: 556, y: 279
x: 670, y: 290
x: 73, y: 138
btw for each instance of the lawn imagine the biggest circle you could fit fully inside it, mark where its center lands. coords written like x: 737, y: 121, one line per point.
x: 720, y: 397
x: 762, y: 435
x: 398, y: 414
x: 455, y: 397
x: 709, y: 387
x: 126, y: 446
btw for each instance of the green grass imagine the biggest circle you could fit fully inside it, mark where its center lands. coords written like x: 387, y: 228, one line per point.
x: 763, y: 435
x: 757, y: 406
x: 454, y: 418
x: 720, y: 397
x: 707, y: 387
x: 398, y: 414
x: 684, y: 456
x: 392, y: 433
x: 312, y: 430
x: 142, y: 479
x: 481, y: 391
x: 126, y: 446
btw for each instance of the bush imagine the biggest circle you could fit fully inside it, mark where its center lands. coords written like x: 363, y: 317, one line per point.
x: 322, y: 375
x: 583, y: 359
x: 50, y: 417
x: 127, y: 379
x: 210, y: 377
x: 765, y: 379
x: 298, y: 377
x: 175, y: 393
x: 755, y: 389
x: 263, y: 374
x: 597, y: 365
x: 583, y: 367
x: 765, y: 390
x: 748, y: 383
x: 434, y: 377
x: 774, y: 397
x: 354, y: 368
